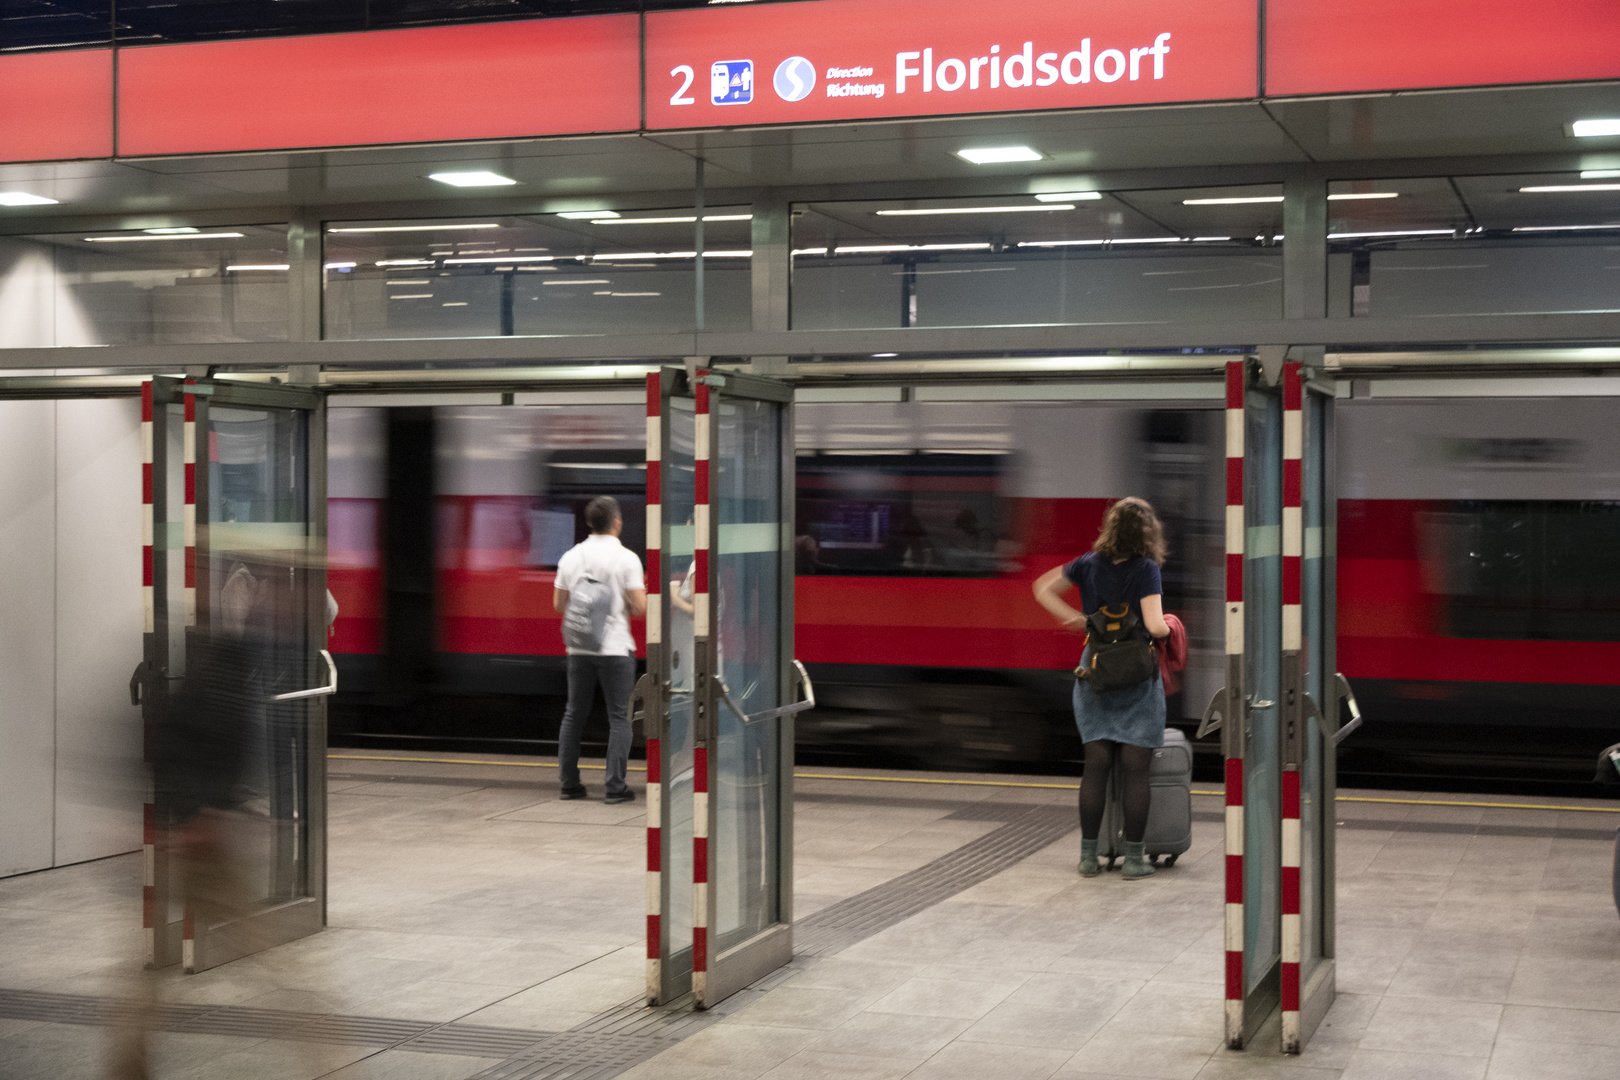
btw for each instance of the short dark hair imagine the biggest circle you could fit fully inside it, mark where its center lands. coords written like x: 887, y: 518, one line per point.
x: 601, y: 512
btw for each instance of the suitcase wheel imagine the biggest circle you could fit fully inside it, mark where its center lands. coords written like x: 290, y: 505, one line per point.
x: 1111, y: 859
x: 1170, y: 860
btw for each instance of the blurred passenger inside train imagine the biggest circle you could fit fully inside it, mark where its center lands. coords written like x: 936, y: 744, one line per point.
x: 599, y: 586
x: 1119, y: 702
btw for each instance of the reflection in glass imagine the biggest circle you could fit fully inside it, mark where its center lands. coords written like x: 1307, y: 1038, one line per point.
x: 680, y: 740
x: 1313, y: 613
x: 147, y: 287
x: 537, y: 274
x: 1262, y: 605
x: 1473, y: 245
x: 748, y: 542
x: 1081, y: 257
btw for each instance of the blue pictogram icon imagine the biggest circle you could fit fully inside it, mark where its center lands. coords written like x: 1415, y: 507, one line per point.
x: 731, y: 82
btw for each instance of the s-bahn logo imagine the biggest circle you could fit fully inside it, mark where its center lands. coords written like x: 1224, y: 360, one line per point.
x: 731, y: 82
x: 795, y: 78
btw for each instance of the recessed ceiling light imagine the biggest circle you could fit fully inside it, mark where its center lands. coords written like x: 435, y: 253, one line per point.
x: 23, y: 198
x: 690, y: 219
x: 475, y: 178
x: 1068, y: 196
x: 996, y: 155
x: 164, y: 236
x: 414, y: 228
x: 1390, y: 232
x: 973, y: 210
x: 882, y: 355
x: 1599, y: 174
x: 1235, y: 200
x: 1572, y: 187
x: 1363, y: 195
x: 341, y: 265
x: 259, y: 266
x: 1589, y: 129
x: 587, y: 215
x: 1559, y: 228
x: 175, y: 230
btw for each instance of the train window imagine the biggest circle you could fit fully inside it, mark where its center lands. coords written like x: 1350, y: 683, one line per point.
x: 1547, y: 570
x: 926, y: 514
x: 570, y: 480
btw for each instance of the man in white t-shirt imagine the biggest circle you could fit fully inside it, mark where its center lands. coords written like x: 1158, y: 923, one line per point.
x: 602, y: 580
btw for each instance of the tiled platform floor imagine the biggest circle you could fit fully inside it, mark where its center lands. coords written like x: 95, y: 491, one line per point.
x: 1474, y: 942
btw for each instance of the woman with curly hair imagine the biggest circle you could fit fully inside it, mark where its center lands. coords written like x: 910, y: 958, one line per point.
x: 1124, y: 725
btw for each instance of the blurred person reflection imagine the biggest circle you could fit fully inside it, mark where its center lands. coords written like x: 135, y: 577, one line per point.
x: 202, y: 754
x: 599, y: 585
x: 1124, y: 725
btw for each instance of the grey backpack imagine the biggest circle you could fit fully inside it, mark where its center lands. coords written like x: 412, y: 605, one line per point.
x: 590, y: 602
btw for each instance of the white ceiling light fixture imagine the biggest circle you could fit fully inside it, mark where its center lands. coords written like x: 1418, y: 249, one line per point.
x: 501, y: 259
x: 416, y: 228
x: 1560, y: 228
x: 174, y: 230
x: 1593, y: 129
x: 1389, y: 232
x: 23, y: 198
x: 1553, y: 188
x: 588, y: 215
x: 578, y: 281
x: 1599, y: 174
x: 472, y: 178
x: 341, y: 265
x: 721, y: 254
x: 405, y: 262
x: 165, y: 236
x: 998, y: 155
x: 1233, y: 200
x: 1068, y: 196
x: 975, y: 210
x: 690, y: 219
x: 259, y: 266
x: 1349, y: 195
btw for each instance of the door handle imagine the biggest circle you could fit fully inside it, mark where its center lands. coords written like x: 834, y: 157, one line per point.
x: 638, y: 699
x: 809, y: 702
x: 318, y: 691
x: 1342, y: 690
x: 1210, y: 725
x: 137, y: 682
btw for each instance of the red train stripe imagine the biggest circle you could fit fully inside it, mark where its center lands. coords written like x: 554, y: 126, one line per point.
x: 1234, y: 579
x: 1234, y: 481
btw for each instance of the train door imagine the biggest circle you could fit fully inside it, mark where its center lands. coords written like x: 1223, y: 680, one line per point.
x: 719, y: 696
x: 235, y: 674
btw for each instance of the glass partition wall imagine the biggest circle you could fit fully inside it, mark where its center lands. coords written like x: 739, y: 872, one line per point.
x: 591, y: 272
x: 1059, y: 257
x: 1475, y: 245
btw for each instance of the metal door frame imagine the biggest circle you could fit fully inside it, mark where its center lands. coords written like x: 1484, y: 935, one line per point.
x: 203, y: 946
x: 712, y: 975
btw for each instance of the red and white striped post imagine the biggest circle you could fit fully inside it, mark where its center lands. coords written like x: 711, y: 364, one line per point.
x: 704, y: 695
x: 190, y: 518
x: 1232, y: 715
x: 149, y: 629
x: 655, y: 638
x: 1293, y: 451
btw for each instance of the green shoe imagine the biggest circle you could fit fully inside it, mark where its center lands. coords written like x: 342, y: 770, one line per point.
x: 1088, y: 859
x: 1136, y: 864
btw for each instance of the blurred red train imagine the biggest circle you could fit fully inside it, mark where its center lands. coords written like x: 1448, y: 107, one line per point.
x: 1479, y: 577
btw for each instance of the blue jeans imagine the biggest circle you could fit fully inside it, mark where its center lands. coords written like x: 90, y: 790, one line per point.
x: 617, y: 677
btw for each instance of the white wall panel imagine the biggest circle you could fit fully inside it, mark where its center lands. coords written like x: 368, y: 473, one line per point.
x: 99, y: 776
x: 27, y: 613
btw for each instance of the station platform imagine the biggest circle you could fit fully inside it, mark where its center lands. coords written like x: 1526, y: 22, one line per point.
x: 480, y: 927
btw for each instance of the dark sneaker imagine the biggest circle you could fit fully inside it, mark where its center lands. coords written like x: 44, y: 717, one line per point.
x: 620, y: 797
x: 576, y: 792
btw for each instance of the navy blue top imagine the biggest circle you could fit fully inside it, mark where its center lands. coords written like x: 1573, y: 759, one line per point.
x: 1102, y: 581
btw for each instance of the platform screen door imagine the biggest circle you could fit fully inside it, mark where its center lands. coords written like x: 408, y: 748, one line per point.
x: 235, y: 676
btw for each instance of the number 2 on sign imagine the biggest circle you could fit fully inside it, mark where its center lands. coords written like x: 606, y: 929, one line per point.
x: 680, y: 97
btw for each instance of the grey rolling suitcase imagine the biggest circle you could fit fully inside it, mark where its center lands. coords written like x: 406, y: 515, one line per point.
x: 1169, y: 826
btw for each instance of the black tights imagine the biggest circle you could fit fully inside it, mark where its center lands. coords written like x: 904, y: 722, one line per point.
x: 1134, y: 762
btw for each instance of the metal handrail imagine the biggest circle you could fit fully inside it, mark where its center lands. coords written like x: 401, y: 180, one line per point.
x: 1342, y: 688
x: 317, y: 691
